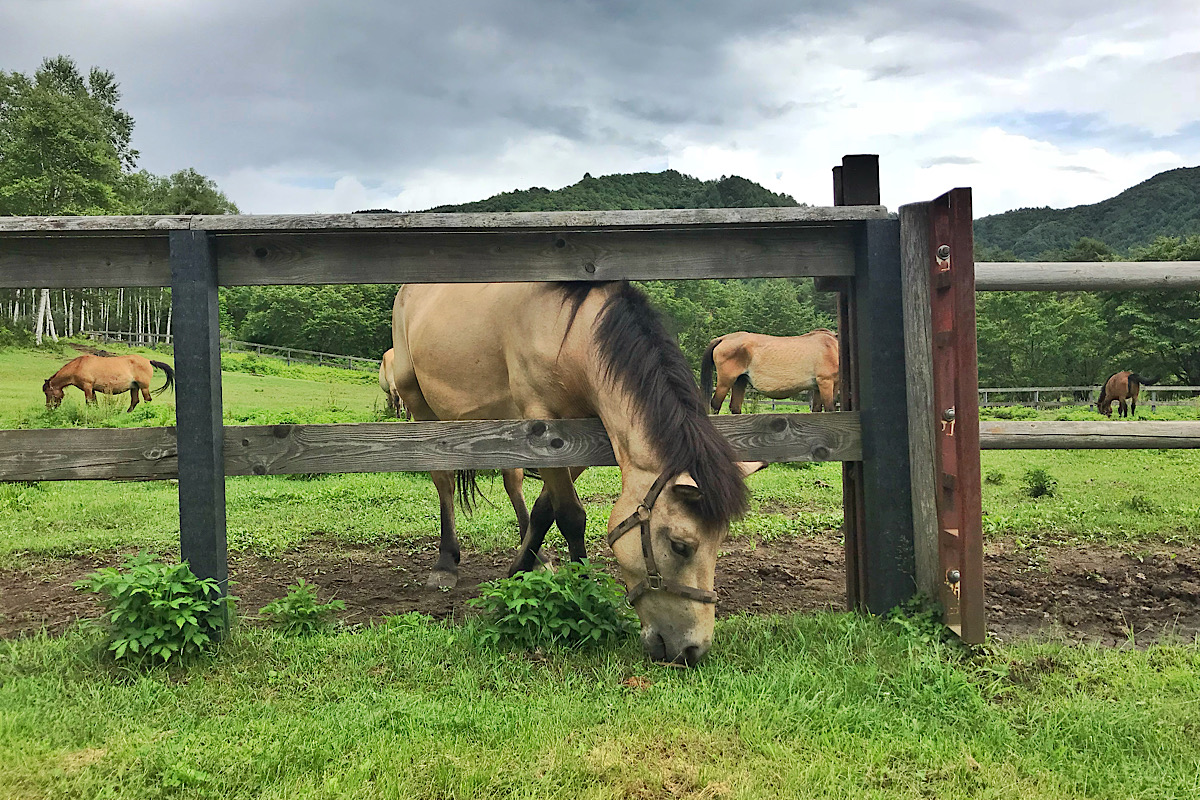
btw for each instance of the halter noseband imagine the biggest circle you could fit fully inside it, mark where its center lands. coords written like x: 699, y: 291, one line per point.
x: 654, y: 579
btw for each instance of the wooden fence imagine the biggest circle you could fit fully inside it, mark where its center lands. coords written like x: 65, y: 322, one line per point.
x: 853, y: 243
x: 288, y: 354
x: 911, y: 493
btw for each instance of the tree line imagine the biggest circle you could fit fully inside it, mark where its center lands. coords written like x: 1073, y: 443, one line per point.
x: 66, y: 149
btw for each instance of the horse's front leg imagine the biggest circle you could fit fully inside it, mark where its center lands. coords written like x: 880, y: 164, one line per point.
x: 445, y: 571
x: 513, y: 478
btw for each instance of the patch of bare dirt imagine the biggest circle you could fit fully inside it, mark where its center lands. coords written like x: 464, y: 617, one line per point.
x: 1097, y: 594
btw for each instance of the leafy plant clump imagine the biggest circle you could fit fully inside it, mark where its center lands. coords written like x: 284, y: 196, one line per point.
x: 299, y: 613
x: 574, y: 605
x: 1039, y: 483
x: 995, y: 477
x: 157, y: 611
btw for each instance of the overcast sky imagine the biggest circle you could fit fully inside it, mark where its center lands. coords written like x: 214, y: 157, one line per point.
x: 309, y: 107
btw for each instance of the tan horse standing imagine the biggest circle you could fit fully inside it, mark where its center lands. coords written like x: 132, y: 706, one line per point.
x: 1120, y: 387
x: 778, y: 366
x: 109, y: 375
x: 552, y: 351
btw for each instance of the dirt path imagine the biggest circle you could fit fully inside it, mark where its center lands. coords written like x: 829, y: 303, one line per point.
x: 1097, y: 594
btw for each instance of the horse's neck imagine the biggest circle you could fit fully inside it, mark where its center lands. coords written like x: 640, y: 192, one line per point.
x: 60, y: 379
x: 640, y: 464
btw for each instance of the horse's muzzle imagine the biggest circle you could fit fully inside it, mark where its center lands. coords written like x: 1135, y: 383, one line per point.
x: 683, y: 653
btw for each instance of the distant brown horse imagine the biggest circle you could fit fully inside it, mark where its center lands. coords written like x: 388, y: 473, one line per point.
x: 107, y: 374
x: 553, y: 351
x: 778, y: 366
x: 387, y: 383
x: 1121, y: 386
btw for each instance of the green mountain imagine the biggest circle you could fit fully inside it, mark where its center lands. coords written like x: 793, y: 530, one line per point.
x: 1166, y: 205
x: 639, y: 190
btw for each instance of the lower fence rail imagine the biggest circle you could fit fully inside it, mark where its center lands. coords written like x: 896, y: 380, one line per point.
x: 152, y: 453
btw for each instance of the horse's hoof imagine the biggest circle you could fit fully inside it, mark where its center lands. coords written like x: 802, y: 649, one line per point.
x: 440, y: 579
x: 545, y: 561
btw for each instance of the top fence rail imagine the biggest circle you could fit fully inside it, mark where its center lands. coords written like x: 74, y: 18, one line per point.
x: 425, y: 220
x: 87, y: 252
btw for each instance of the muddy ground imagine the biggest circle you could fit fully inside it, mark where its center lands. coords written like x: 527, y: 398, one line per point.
x: 1097, y: 593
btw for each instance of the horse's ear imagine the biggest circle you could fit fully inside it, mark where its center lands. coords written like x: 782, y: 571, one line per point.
x: 686, y: 489
x: 748, y: 468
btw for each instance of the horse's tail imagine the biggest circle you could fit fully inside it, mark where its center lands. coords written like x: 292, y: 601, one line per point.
x: 466, y: 483
x: 170, y: 375
x: 1134, y: 377
x: 707, y: 364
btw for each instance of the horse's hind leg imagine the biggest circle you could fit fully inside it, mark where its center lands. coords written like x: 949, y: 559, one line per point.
x: 1122, y: 408
x: 445, y: 571
x: 824, y: 391
x: 738, y: 395
x: 133, y: 398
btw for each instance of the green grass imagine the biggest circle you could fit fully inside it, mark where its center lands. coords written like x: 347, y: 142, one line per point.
x: 821, y: 705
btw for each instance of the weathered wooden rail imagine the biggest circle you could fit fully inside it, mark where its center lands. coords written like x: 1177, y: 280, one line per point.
x: 152, y: 453
x: 1086, y: 276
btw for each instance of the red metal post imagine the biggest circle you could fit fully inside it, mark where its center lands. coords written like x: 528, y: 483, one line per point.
x: 956, y: 398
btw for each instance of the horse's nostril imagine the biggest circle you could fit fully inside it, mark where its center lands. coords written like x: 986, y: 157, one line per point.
x: 691, y: 655
x: 655, y: 647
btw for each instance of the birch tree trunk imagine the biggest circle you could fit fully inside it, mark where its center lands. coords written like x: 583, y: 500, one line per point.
x: 43, y: 301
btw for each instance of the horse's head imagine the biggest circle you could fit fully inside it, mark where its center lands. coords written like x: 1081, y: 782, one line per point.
x: 668, y: 558
x: 54, y: 394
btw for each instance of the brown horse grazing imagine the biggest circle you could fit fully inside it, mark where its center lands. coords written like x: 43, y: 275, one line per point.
x: 778, y: 366
x: 1121, y: 386
x: 108, y: 374
x: 553, y: 351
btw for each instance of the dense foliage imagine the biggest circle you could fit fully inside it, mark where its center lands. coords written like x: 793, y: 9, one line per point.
x: 573, y: 605
x: 1166, y: 205
x: 157, y: 611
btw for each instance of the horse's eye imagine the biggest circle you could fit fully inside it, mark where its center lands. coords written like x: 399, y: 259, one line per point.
x: 681, y: 549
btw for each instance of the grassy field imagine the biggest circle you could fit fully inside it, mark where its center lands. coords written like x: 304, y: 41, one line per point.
x: 1126, y: 497
x: 820, y: 705
x: 825, y: 705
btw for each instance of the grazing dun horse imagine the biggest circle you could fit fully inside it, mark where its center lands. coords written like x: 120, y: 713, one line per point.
x: 778, y: 366
x: 107, y: 374
x: 1121, y: 386
x: 554, y: 351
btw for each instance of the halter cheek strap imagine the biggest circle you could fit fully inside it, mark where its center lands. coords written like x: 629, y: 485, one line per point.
x: 654, y: 579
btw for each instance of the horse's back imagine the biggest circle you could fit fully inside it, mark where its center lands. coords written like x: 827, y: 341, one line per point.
x: 488, y: 351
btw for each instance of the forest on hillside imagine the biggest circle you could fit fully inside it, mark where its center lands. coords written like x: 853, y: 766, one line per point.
x: 1030, y: 338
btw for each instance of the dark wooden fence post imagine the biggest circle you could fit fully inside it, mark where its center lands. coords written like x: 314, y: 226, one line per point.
x: 877, y: 500
x: 887, y: 561
x: 198, y: 405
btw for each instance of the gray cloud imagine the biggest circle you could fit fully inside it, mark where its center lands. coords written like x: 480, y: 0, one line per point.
x: 381, y: 90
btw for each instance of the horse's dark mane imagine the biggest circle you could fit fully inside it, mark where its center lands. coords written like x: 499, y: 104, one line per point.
x: 645, y: 361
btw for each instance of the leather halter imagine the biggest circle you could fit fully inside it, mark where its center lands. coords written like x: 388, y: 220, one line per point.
x: 654, y: 579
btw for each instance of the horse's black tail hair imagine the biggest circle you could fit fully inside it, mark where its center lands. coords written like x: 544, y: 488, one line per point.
x: 1133, y: 376
x: 170, y: 376
x: 467, y: 485
x: 707, y: 364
